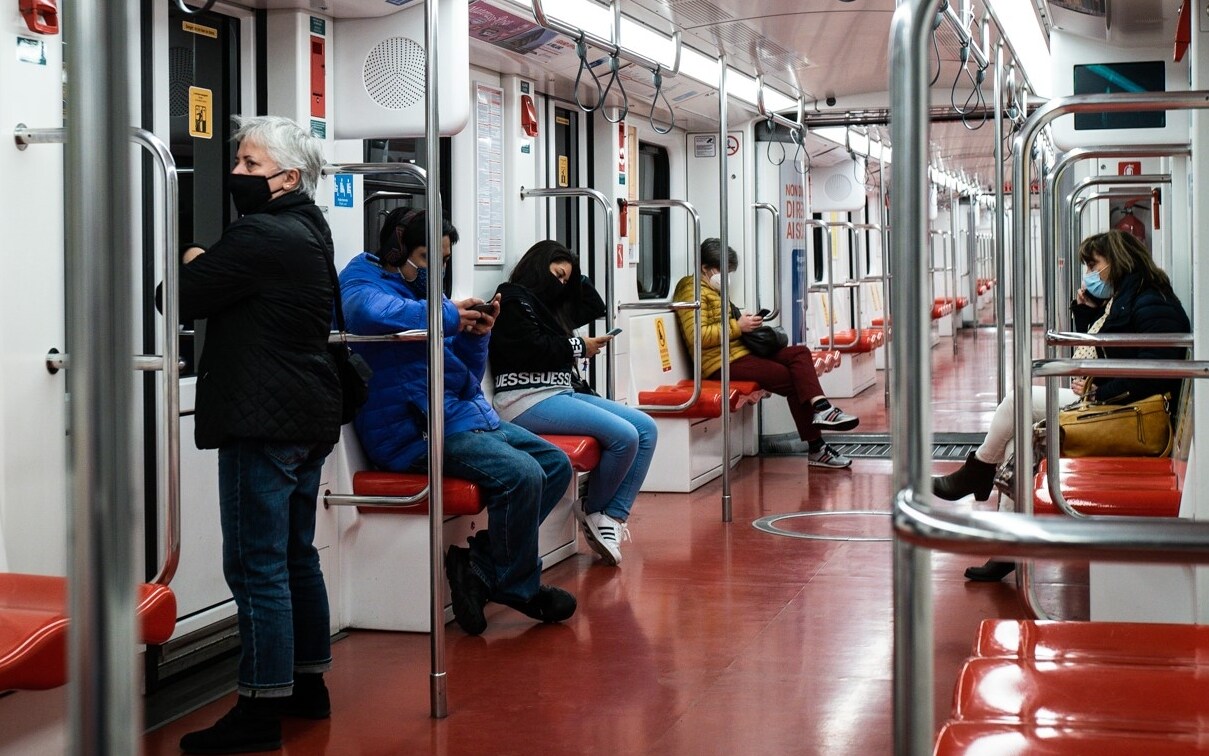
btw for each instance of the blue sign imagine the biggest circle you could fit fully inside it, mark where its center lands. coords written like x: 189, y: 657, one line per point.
x: 344, y: 190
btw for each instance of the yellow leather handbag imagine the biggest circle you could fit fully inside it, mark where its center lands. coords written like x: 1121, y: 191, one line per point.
x: 1138, y: 429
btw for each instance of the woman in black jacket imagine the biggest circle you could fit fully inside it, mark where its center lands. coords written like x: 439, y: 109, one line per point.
x: 1123, y: 292
x: 268, y: 398
x: 533, y: 353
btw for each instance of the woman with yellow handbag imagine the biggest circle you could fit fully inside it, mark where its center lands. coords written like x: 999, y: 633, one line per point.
x: 1123, y: 292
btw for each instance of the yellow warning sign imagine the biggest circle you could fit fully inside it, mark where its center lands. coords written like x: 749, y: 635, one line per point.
x: 827, y: 317
x: 201, y: 113
x: 205, y: 31
x: 564, y: 171
x: 665, y: 357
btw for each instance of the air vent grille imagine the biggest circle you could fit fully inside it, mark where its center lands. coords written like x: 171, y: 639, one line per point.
x: 699, y: 12
x: 180, y: 77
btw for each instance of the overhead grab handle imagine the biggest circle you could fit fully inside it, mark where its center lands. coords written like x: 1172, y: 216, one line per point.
x: 180, y: 4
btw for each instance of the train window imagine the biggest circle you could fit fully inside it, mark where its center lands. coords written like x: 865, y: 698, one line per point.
x: 1101, y: 78
x: 654, y: 224
x: 384, y: 191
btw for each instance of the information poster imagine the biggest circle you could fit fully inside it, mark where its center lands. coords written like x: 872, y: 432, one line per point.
x: 489, y: 174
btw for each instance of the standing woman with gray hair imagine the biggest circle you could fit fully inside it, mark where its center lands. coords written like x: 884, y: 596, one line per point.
x: 268, y: 398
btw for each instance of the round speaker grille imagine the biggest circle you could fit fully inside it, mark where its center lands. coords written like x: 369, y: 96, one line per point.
x: 394, y: 73
x: 180, y: 78
x: 838, y: 186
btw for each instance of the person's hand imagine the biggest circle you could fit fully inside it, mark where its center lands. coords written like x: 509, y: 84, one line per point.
x: 593, y: 344
x: 1080, y: 386
x: 473, y: 319
x: 191, y: 254
x: 749, y: 322
x: 1087, y: 300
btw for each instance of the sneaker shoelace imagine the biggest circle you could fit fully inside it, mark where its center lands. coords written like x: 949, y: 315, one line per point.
x: 615, y: 533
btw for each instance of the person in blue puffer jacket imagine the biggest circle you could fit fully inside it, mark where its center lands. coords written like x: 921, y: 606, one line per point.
x: 520, y: 475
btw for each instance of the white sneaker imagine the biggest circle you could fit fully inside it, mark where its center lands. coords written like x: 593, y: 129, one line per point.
x: 605, y: 535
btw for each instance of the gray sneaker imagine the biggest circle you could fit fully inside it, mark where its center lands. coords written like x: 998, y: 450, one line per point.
x: 828, y: 457
x: 836, y: 419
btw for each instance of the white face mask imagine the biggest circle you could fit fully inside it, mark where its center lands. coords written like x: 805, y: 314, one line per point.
x: 715, y: 281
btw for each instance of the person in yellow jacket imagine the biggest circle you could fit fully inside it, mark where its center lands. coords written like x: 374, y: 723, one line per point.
x: 789, y: 372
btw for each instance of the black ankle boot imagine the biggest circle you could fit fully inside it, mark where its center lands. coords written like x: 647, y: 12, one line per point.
x: 310, y: 699
x: 974, y: 477
x: 991, y: 572
x: 254, y: 724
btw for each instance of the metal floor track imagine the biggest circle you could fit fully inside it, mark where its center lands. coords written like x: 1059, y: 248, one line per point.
x: 946, y: 446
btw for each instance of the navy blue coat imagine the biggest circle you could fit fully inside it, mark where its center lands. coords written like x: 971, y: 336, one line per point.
x: 1138, y: 308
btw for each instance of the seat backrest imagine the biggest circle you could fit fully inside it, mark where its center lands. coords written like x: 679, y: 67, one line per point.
x: 658, y: 355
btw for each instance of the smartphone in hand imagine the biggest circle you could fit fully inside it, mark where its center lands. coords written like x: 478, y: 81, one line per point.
x: 486, y: 308
x: 613, y: 332
x: 763, y: 313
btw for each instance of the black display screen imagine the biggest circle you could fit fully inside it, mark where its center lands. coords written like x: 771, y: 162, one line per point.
x: 1101, y: 78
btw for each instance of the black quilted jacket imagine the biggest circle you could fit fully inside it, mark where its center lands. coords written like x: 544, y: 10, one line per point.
x: 264, y: 290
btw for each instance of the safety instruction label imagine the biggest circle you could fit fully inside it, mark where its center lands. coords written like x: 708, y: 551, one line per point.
x: 205, y: 31
x: 564, y: 172
x: 665, y: 357
x: 201, y: 113
x: 344, y: 190
x: 705, y: 146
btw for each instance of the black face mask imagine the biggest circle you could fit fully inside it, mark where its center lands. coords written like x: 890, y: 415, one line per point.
x: 250, y: 193
x: 551, y: 291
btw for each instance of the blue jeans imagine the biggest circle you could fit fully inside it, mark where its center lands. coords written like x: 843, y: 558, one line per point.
x: 267, y: 498
x: 522, y: 478
x: 627, y: 437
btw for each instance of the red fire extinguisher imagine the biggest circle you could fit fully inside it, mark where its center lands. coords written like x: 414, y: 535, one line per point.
x: 1131, y: 225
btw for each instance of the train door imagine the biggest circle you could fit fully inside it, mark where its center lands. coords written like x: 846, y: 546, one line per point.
x: 564, y: 172
x: 208, y: 60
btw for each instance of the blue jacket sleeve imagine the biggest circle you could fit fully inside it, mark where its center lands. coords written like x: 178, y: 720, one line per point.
x: 372, y: 309
x: 471, y: 350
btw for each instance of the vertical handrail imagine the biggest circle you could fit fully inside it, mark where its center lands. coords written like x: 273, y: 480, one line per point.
x: 883, y: 224
x: 911, y: 426
x: 1000, y: 251
x: 724, y: 292
x: 695, y: 217
x: 168, y: 361
x: 1124, y: 102
x: 103, y: 717
x: 170, y: 375
x: 853, y: 284
x: 438, y: 682
x: 954, y: 224
x: 829, y: 284
x: 610, y: 268
x: 1060, y: 243
x: 776, y: 260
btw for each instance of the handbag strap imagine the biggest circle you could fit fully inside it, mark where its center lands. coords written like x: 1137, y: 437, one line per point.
x: 330, y: 258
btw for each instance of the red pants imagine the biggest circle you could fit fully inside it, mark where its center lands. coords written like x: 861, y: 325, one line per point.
x: 790, y: 373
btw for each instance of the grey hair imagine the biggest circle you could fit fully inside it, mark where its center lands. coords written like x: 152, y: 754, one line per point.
x: 711, y: 255
x: 286, y: 143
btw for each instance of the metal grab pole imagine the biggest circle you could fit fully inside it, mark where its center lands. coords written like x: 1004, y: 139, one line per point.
x: 911, y: 426
x: 1062, y: 240
x: 776, y: 260
x: 170, y: 424
x: 168, y: 361
x: 829, y: 286
x: 1000, y: 254
x: 1022, y: 147
x: 852, y: 284
x: 438, y: 682
x: 610, y: 267
x: 724, y: 292
x: 695, y: 305
x: 103, y: 714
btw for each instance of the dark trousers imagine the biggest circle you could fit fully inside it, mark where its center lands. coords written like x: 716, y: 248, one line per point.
x: 790, y: 373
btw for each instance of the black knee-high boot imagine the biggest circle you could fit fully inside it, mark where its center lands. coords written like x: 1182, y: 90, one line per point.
x: 974, y: 477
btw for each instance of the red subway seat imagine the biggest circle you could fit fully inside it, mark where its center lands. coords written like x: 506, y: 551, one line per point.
x: 708, y: 404
x: 461, y: 497
x: 33, y: 627
x: 1124, y: 486
x: 847, y: 340
x: 1118, y: 642
x: 1016, y: 739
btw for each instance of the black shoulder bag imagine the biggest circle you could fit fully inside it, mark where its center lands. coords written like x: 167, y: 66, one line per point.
x: 351, y: 368
x: 763, y: 341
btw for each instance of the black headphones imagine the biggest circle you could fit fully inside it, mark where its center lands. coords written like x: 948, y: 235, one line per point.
x: 399, y: 253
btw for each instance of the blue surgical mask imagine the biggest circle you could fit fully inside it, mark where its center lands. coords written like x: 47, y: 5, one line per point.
x: 1096, y: 286
x: 420, y: 284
